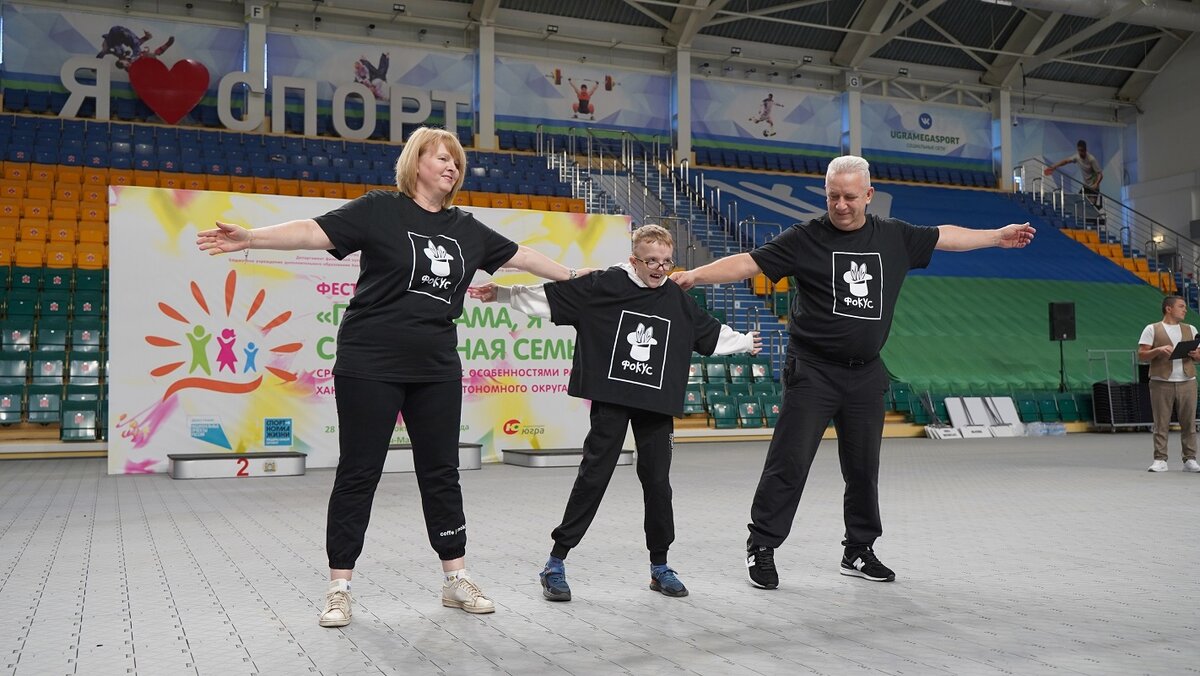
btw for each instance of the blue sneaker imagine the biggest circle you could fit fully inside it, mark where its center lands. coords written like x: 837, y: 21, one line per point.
x: 666, y: 581
x: 554, y: 585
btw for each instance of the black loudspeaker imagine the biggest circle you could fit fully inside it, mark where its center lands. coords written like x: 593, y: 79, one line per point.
x: 1062, y: 321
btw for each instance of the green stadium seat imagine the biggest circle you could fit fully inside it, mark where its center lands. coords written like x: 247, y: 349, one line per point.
x: 900, y: 396
x: 1068, y: 410
x: 44, y: 404
x: 761, y: 387
x: 716, y: 370
x: 696, y: 369
x: 739, y: 369
x: 738, y: 389
x: 16, y: 334
x: 772, y: 403
x: 47, y: 368
x: 750, y: 412
x: 760, y: 368
x: 79, y: 421
x: 14, y: 369
x: 12, y: 400
x: 723, y: 411
x: 693, y: 399
x: 1047, y: 404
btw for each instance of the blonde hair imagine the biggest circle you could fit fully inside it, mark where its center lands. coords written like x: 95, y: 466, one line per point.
x: 652, y: 234
x: 423, y: 140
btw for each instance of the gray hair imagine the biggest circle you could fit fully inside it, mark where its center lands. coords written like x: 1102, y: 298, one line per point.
x: 849, y: 164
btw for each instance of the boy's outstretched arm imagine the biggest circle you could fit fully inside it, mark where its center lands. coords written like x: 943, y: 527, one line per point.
x: 530, y: 300
x: 732, y: 342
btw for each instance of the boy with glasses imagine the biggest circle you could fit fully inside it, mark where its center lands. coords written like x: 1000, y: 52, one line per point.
x: 636, y: 333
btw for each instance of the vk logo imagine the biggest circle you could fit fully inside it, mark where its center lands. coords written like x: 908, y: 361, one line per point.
x: 925, y: 120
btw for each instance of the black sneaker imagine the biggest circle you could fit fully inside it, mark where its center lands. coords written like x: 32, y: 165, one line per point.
x: 760, y: 566
x: 554, y: 585
x: 862, y: 562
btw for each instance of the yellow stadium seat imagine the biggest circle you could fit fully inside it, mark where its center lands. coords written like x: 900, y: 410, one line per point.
x: 218, y: 182
x: 60, y: 255
x: 42, y: 172
x: 288, y: 186
x: 95, y: 232
x: 16, y: 171
x: 95, y: 176
x: 266, y: 186
x: 91, y: 256
x: 29, y: 254
x: 352, y: 190
x: 34, y: 230
x: 64, y: 230
x: 12, y: 188
x: 93, y: 211
x: 146, y: 179
x: 334, y: 190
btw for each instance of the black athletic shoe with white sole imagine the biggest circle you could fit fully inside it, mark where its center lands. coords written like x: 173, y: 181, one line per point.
x: 760, y: 566
x: 862, y: 562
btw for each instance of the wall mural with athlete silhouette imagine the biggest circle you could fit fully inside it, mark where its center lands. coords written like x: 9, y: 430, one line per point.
x: 560, y: 95
x: 385, y: 71
x: 747, y: 117
x: 171, y: 67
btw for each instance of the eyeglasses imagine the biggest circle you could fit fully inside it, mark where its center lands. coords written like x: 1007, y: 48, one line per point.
x: 660, y: 265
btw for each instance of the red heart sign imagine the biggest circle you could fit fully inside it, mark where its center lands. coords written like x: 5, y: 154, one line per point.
x: 169, y: 93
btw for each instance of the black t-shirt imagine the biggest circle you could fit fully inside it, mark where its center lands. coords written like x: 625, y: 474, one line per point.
x: 632, y: 344
x: 846, y: 282
x: 413, y: 275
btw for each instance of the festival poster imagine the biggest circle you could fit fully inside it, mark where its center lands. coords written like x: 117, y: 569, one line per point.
x: 233, y: 353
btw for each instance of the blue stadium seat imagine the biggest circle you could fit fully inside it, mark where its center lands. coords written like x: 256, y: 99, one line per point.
x: 14, y: 100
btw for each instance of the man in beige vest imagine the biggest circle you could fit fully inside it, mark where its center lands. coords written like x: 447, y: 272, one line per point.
x: 1172, y: 382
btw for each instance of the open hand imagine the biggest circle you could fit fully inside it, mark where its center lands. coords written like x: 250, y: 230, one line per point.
x: 1016, y: 235
x: 225, y: 238
x: 485, y: 293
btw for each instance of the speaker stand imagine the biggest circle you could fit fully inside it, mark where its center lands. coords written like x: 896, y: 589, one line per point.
x: 1062, y: 369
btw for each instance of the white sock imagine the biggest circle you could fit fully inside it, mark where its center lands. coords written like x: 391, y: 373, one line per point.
x: 452, y: 575
x: 339, y: 585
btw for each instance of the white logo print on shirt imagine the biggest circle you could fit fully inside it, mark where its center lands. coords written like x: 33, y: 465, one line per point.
x: 639, y: 349
x: 857, y: 277
x: 857, y: 284
x: 437, y: 266
x: 439, y: 260
x: 640, y: 342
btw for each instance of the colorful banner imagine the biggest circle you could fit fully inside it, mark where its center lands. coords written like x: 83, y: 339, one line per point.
x: 1052, y: 141
x: 564, y: 94
x: 903, y: 131
x: 743, y: 116
x: 233, y: 353
x: 39, y: 40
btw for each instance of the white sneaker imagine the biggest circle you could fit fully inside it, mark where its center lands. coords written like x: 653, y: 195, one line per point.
x: 463, y: 593
x: 337, y: 605
x: 1191, y: 466
x: 1158, y: 466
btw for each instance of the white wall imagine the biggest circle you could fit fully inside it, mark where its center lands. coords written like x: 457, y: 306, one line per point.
x: 1169, y: 145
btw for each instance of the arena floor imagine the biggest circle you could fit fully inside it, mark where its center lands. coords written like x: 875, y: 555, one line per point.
x: 1054, y: 555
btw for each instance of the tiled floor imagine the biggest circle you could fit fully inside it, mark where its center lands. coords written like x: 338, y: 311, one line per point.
x: 1014, y: 556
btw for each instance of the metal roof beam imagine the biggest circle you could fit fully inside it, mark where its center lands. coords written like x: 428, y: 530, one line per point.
x: 484, y: 11
x: 1026, y: 40
x: 871, y: 18
x: 1155, y: 60
x: 1130, y: 7
x: 875, y: 43
x: 691, y: 16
